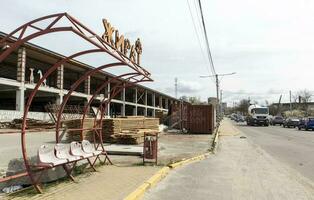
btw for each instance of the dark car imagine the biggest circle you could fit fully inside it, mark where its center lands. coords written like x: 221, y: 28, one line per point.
x: 291, y: 122
x: 277, y: 120
x: 306, y: 123
x: 240, y: 118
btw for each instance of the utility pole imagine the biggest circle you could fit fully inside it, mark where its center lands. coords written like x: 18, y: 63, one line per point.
x: 217, y: 87
x: 176, y: 87
x: 290, y: 101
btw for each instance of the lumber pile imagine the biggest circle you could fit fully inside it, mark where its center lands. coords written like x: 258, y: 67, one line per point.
x: 75, y: 135
x: 129, y: 130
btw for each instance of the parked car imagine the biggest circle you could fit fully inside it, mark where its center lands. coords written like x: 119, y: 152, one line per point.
x: 291, y: 122
x: 240, y: 118
x: 277, y: 120
x: 306, y: 123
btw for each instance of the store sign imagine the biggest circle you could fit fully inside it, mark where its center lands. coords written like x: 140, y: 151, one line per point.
x: 121, y: 44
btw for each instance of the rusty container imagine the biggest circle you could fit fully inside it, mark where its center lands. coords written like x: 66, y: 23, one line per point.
x: 201, y: 119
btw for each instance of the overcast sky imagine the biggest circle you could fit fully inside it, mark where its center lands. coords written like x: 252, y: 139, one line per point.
x: 269, y: 44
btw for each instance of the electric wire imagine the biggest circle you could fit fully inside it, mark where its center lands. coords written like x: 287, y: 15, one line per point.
x: 206, y: 39
x: 197, y: 34
x: 198, y: 38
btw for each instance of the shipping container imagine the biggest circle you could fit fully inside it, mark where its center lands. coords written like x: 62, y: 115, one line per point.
x: 201, y: 119
x: 194, y: 118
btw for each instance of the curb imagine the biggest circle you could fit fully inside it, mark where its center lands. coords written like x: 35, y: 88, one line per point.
x: 162, y: 173
x: 215, y: 141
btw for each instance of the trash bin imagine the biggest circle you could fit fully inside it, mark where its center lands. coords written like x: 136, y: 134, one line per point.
x: 150, y: 147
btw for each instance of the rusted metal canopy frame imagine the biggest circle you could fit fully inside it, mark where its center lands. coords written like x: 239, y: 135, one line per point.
x: 97, y: 128
x: 102, y: 86
x: 77, y: 29
x: 85, y: 110
x: 74, y: 86
x: 103, y: 106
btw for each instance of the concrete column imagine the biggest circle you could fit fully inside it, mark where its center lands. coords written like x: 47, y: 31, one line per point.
x: 20, y: 99
x: 145, y: 103
x: 123, y: 100
x: 59, y: 99
x: 154, y: 104
x: 86, y: 102
x: 136, y: 101
x: 108, y: 96
x: 21, y: 63
x: 60, y: 77
x: 160, y: 102
x: 20, y: 76
x: 87, y: 86
x: 166, y: 103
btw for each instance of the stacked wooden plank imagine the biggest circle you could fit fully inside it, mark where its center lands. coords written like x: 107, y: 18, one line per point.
x: 128, y: 130
x: 75, y: 135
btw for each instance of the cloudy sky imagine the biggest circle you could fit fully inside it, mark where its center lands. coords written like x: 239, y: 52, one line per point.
x: 269, y: 44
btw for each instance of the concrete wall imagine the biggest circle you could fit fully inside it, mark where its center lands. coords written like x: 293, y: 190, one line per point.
x: 9, y: 115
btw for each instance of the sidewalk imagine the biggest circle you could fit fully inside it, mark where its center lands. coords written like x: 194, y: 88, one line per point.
x: 240, y: 170
x: 113, y: 182
x: 110, y: 182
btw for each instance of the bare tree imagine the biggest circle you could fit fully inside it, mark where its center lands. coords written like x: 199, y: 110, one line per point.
x: 304, y: 97
x: 243, y: 106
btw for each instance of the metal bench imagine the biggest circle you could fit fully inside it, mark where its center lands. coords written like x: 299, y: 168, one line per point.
x: 63, y: 152
x: 76, y: 149
x: 88, y: 148
x: 47, y: 159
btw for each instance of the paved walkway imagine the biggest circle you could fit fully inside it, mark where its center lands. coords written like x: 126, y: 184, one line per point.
x: 240, y: 170
x: 110, y: 182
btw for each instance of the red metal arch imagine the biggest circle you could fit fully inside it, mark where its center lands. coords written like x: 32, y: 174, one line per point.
x: 80, y: 30
x: 102, y: 108
x: 103, y: 104
x: 75, y: 26
x: 74, y: 86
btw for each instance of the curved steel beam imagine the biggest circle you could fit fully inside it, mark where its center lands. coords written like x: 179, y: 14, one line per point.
x: 102, y: 108
x: 74, y: 86
x: 103, y: 85
x: 77, y: 28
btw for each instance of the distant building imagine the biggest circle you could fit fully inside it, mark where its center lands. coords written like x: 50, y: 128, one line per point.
x: 223, y: 107
x: 212, y: 100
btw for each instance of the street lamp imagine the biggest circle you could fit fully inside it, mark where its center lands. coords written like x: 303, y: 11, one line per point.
x: 217, y: 83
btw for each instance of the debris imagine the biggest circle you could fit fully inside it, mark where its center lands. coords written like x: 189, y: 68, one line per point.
x: 12, y: 188
x: 242, y: 137
x: 31, y: 124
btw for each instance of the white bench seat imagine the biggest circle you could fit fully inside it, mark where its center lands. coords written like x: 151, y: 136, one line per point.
x: 76, y: 150
x: 89, y: 148
x: 63, y: 152
x: 47, y: 157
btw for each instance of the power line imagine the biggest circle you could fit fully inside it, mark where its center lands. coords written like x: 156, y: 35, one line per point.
x: 197, y: 34
x: 198, y: 38
x: 206, y: 39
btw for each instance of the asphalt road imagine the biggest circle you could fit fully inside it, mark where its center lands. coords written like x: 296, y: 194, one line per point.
x: 269, y: 163
x: 288, y: 145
